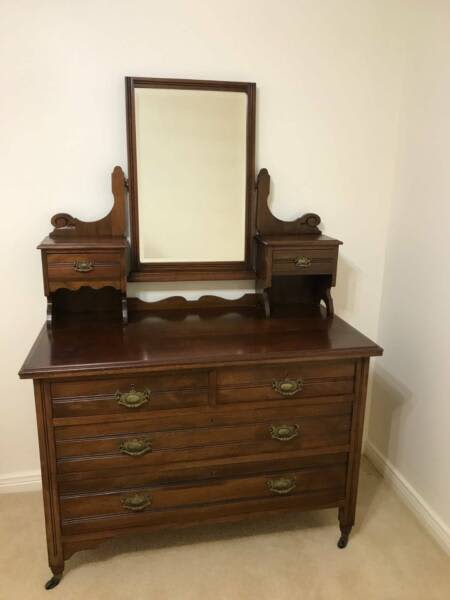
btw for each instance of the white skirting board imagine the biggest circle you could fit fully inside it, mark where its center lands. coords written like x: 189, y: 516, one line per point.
x: 24, y: 481
x: 414, y: 501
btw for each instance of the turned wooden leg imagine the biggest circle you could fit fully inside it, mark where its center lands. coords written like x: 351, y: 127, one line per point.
x: 345, y: 532
x: 345, y: 525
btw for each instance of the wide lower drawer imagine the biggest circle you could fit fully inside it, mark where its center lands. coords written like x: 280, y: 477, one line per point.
x: 129, y: 395
x: 123, y: 508
x: 285, y: 381
x: 138, y: 443
x: 93, y: 482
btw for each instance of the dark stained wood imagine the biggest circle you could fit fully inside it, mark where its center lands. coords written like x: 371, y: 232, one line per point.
x: 182, y: 517
x: 267, y: 223
x: 295, y: 249
x: 80, y: 254
x: 48, y: 474
x: 232, y: 407
x: 204, y: 302
x: 197, y: 471
x: 212, y: 370
x: 296, y: 269
x: 177, y: 339
x: 208, y: 443
x: 87, y: 509
x: 191, y: 271
x: 113, y: 225
x: 348, y: 510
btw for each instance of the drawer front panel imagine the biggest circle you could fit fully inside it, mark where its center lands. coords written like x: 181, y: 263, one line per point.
x: 206, y: 417
x: 124, y: 507
x: 85, y: 266
x: 290, y: 382
x: 93, y: 482
x: 298, y: 261
x: 129, y: 395
x: 144, y: 447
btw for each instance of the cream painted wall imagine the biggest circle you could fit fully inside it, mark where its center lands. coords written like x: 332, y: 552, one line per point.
x: 329, y: 82
x: 410, y: 417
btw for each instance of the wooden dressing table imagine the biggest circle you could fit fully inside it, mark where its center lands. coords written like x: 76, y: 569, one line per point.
x: 173, y: 413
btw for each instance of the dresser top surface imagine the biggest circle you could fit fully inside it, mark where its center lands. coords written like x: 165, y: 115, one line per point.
x: 297, y: 240
x: 83, y: 243
x: 183, y: 339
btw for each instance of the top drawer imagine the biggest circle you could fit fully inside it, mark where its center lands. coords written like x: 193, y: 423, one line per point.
x: 85, y: 266
x: 291, y: 381
x: 298, y: 261
x: 129, y: 395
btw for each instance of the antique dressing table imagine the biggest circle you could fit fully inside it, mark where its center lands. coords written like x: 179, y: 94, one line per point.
x: 172, y: 413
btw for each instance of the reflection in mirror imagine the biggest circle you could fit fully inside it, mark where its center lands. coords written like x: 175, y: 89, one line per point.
x: 191, y: 174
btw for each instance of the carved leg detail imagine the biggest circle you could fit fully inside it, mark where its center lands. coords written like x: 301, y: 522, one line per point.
x: 49, y: 311
x: 328, y: 302
x: 266, y: 302
x: 124, y: 309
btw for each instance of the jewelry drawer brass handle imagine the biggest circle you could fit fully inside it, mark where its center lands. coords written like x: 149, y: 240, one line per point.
x: 287, y: 387
x: 302, y: 262
x: 283, y: 485
x: 136, y: 502
x: 133, y: 398
x: 83, y: 266
x: 135, y: 446
x: 284, y: 433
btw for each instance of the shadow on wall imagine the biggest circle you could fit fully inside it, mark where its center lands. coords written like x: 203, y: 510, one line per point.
x: 390, y: 399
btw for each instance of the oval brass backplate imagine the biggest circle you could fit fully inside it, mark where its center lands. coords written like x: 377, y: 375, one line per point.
x: 302, y: 262
x: 83, y: 266
x: 287, y: 387
x: 136, y: 502
x: 284, y: 433
x: 133, y: 398
x: 135, y: 446
x: 282, y: 485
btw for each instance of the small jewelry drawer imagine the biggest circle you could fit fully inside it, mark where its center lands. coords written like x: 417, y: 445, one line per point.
x: 306, y: 261
x: 86, y: 266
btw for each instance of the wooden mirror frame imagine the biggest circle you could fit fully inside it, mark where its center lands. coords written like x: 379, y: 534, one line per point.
x: 191, y: 271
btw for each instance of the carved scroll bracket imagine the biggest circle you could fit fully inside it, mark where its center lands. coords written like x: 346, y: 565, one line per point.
x: 268, y: 224
x: 66, y: 226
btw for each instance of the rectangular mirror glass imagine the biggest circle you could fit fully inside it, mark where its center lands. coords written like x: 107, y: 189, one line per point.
x: 191, y: 155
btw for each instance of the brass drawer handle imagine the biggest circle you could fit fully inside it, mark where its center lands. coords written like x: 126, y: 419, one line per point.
x: 284, y: 433
x: 302, y: 262
x: 283, y: 485
x: 133, y: 398
x: 83, y: 266
x: 136, y: 502
x: 135, y: 446
x: 287, y: 387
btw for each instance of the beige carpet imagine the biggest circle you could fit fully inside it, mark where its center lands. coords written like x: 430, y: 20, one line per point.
x: 389, y: 557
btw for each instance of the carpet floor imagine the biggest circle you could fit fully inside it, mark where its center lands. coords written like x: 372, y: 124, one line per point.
x: 292, y: 557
